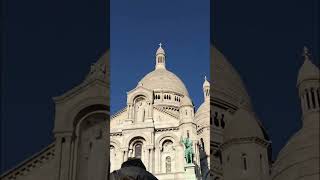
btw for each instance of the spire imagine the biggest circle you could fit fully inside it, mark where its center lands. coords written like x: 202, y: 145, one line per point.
x: 306, y: 53
x: 206, y: 82
x: 206, y: 89
x: 308, y: 70
x: 160, y: 58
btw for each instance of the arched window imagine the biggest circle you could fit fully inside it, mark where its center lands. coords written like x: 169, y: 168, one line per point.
x: 222, y: 121
x: 244, y: 161
x: 168, y: 164
x: 138, y: 150
x: 216, y: 120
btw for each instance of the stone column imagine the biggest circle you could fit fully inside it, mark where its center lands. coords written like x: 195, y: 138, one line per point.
x: 75, y: 158
x: 125, y: 155
x: 67, y: 161
x: 150, y: 160
x: 129, y: 111
x: 147, y: 160
x: 150, y: 110
x: 157, y: 162
x: 58, y: 157
x: 153, y: 160
x: 63, y: 157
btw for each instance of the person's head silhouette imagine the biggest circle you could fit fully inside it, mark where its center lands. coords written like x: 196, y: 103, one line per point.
x: 132, y: 169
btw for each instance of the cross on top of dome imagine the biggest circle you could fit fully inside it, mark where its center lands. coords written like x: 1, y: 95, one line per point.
x: 306, y: 53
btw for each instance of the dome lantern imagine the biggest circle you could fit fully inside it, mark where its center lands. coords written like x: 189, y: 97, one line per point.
x: 206, y: 89
x: 309, y: 88
x: 160, y: 58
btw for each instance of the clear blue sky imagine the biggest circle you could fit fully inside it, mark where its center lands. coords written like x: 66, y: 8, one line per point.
x: 137, y: 27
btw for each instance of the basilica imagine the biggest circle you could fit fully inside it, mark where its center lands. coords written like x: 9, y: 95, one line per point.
x: 228, y: 141
x: 159, y: 114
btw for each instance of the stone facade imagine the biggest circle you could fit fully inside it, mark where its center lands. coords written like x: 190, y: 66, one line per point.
x: 159, y: 113
x: 227, y: 136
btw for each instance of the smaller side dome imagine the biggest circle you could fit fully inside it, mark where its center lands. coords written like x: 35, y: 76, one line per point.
x: 243, y: 125
x: 186, y: 101
x: 203, y: 109
x: 308, y: 70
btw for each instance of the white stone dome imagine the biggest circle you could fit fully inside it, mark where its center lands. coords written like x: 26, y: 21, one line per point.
x: 243, y: 125
x: 186, y: 101
x: 162, y: 79
x: 308, y: 71
x: 160, y: 50
x: 226, y: 83
x: 204, y: 109
x: 300, y: 156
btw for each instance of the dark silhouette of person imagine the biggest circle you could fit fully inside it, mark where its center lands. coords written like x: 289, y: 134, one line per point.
x: 132, y: 169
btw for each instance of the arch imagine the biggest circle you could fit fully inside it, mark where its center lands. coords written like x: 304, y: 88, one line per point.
x: 132, y: 138
x: 115, y: 142
x: 72, y: 117
x: 78, y: 124
x: 136, y: 146
x: 88, y: 110
x: 167, y: 136
x: 135, y: 140
x: 139, y: 97
x: 133, y: 96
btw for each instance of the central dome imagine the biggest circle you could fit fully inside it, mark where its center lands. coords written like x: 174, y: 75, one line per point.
x: 226, y: 82
x: 162, y: 79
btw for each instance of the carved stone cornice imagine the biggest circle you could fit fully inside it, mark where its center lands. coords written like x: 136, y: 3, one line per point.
x: 116, y: 134
x: 245, y: 140
x: 28, y: 165
x: 167, y: 129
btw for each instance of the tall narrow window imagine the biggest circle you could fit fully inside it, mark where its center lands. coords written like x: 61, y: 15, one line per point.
x: 137, y: 150
x: 168, y: 164
x: 261, y: 163
x: 216, y: 120
x: 202, y: 144
x: 313, y: 98
x: 244, y: 161
x: 222, y: 121
x: 308, y: 100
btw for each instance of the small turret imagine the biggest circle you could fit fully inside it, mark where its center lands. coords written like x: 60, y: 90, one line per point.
x: 308, y: 84
x: 206, y: 89
x: 160, y: 58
